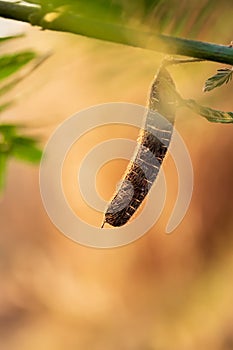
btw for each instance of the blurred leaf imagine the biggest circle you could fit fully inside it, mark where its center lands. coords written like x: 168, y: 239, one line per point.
x: 18, y: 146
x: 25, y: 149
x: 8, y: 130
x: 23, y: 140
x: 10, y: 85
x: 3, y: 165
x: 5, y: 105
x: 224, y: 75
x: 12, y: 144
x: 7, y: 87
x: 6, y: 38
x: 11, y: 63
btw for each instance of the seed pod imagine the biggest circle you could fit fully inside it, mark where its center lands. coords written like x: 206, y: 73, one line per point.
x: 154, y: 139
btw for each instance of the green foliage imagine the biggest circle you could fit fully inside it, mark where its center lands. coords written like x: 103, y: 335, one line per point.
x: 25, y: 148
x: 210, y: 114
x: 7, y: 87
x: 5, y: 105
x: 7, y: 131
x: 15, y: 145
x: 12, y: 143
x: 223, y: 76
x: 6, y: 38
x: 11, y: 63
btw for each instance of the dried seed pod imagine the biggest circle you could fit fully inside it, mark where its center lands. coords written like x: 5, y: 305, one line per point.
x: 153, y: 142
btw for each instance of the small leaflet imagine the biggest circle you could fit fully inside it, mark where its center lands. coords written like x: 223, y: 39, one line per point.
x: 223, y: 76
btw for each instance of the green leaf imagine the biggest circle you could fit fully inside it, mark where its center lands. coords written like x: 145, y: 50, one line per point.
x: 25, y: 149
x: 10, y: 85
x: 8, y: 130
x: 6, y: 38
x: 224, y: 75
x: 18, y: 146
x: 24, y: 140
x: 11, y: 63
x: 6, y: 105
x: 7, y: 87
x: 3, y: 166
x: 210, y: 114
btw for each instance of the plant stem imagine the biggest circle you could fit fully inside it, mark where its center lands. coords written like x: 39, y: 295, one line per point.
x: 17, y: 11
x: 72, y: 22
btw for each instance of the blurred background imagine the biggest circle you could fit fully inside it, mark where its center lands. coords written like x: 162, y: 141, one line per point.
x: 161, y: 292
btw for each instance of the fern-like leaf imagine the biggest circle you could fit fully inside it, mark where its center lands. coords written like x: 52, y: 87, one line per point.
x: 223, y: 76
x: 210, y: 114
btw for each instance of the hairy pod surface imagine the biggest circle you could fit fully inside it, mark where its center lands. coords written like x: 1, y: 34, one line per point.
x: 153, y: 142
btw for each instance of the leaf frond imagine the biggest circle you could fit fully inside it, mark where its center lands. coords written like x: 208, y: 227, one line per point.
x: 223, y: 76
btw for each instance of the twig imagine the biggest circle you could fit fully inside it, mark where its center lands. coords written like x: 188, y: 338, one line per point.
x: 71, y: 22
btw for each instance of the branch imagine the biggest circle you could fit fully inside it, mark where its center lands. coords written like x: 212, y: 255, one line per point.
x: 74, y: 23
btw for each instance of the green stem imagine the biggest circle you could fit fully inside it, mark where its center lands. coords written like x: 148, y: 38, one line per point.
x: 71, y: 22
x: 17, y: 11
x: 210, y: 114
